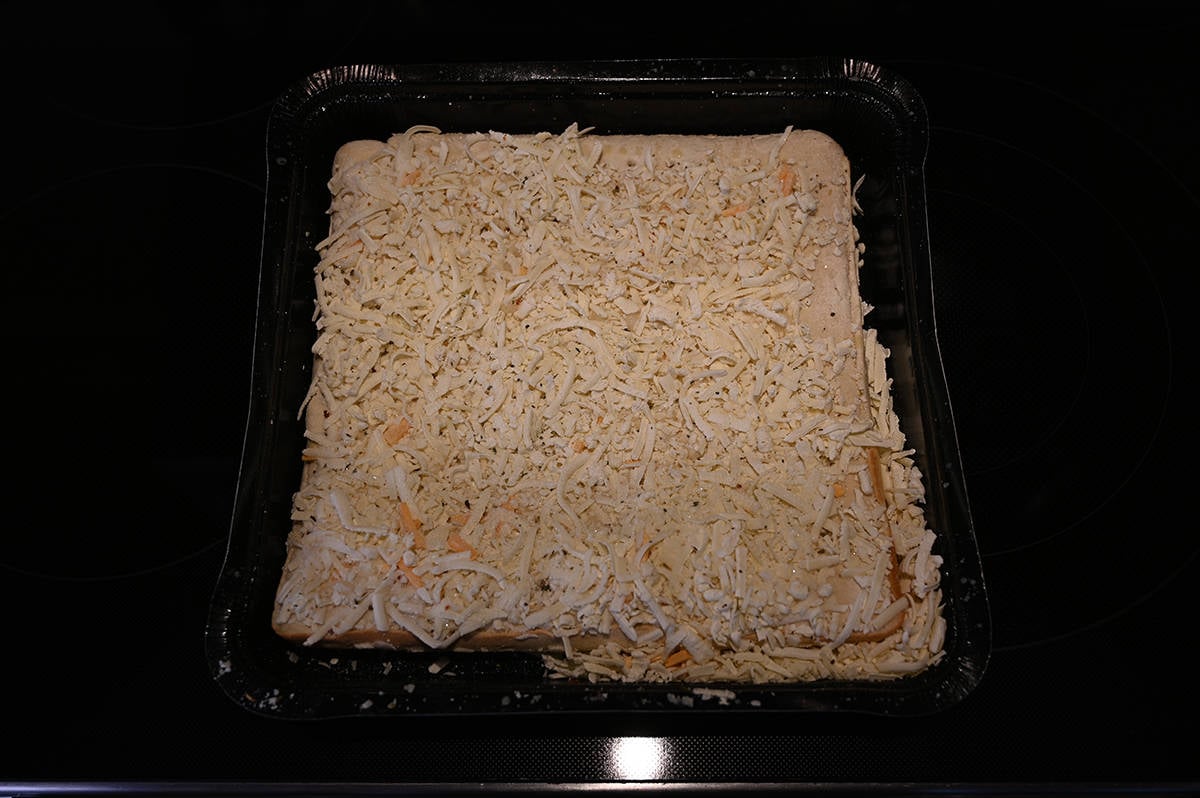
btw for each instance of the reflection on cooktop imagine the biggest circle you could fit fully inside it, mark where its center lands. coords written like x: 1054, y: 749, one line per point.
x: 1054, y: 327
x: 144, y: 311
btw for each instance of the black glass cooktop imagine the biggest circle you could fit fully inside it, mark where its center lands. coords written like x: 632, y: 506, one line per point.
x: 1063, y: 193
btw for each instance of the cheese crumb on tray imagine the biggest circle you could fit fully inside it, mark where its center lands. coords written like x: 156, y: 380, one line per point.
x: 611, y: 399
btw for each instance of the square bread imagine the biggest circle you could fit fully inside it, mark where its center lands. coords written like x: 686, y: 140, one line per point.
x: 612, y: 399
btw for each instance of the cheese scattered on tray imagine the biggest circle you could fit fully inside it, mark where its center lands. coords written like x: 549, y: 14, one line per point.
x: 611, y: 399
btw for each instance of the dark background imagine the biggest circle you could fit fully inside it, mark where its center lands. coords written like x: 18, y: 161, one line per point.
x: 1064, y: 219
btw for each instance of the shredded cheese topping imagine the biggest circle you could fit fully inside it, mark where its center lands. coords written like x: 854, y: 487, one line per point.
x: 614, y: 395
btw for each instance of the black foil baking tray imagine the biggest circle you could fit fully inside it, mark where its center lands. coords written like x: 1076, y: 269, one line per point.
x: 881, y: 122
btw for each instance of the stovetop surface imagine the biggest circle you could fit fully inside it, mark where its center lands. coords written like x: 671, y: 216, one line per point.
x: 1062, y: 191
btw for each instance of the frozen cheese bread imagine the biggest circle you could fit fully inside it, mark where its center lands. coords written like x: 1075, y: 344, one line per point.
x: 612, y: 399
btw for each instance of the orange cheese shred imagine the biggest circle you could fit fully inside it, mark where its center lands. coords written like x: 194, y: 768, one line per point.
x: 411, y: 524
x: 410, y: 574
x: 678, y: 657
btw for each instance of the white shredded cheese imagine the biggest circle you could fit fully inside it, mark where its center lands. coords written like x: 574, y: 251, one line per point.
x: 612, y: 389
